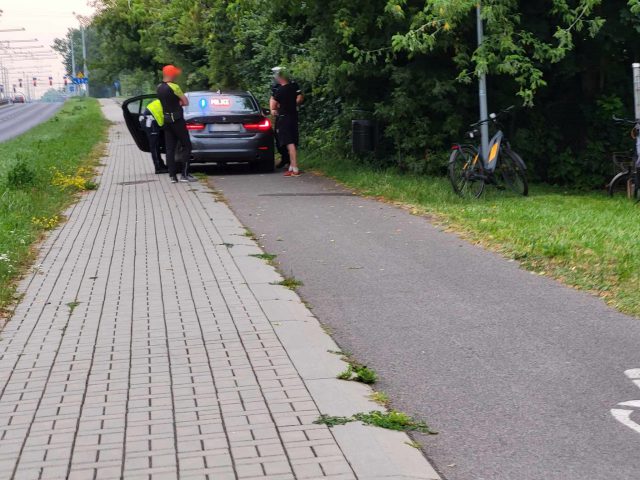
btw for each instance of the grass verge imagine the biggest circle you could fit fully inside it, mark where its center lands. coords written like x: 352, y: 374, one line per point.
x: 40, y: 173
x: 585, y: 240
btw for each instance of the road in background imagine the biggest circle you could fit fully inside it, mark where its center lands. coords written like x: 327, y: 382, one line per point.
x: 517, y: 372
x: 21, y: 117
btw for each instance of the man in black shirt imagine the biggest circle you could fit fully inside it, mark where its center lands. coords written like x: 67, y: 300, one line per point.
x: 284, y: 105
x: 175, y: 128
x: 285, y: 161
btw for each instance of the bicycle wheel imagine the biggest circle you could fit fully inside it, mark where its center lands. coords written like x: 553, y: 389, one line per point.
x: 620, y: 185
x: 512, y: 173
x: 466, y: 172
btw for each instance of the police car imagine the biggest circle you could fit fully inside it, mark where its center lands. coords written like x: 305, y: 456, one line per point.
x: 225, y: 127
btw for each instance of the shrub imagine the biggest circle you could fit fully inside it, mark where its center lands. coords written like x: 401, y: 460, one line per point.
x: 20, y: 175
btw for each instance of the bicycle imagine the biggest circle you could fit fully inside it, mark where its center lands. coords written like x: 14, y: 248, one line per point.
x: 470, y: 173
x: 627, y: 179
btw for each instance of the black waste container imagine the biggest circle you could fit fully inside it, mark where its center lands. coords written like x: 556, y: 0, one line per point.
x: 363, y: 136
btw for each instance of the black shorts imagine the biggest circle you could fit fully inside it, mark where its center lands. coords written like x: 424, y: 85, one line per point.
x: 287, y: 130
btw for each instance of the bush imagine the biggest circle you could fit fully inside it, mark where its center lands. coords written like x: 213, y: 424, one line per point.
x: 20, y: 175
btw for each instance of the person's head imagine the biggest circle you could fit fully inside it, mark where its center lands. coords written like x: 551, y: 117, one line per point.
x: 280, y: 75
x: 170, y: 73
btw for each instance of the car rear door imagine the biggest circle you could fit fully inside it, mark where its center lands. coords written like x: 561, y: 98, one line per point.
x: 132, y: 109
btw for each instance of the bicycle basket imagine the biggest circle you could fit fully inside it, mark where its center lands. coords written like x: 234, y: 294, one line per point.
x: 622, y: 161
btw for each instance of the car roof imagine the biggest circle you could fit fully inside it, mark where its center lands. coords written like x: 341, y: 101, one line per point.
x: 220, y: 92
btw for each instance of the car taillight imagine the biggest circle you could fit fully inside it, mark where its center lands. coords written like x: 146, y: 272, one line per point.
x: 195, y: 126
x: 263, y: 126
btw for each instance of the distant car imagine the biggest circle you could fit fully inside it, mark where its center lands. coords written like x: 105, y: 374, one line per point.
x: 19, y: 99
x: 225, y: 127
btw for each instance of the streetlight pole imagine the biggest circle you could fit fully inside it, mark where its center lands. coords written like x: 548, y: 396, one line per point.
x: 73, y: 60
x: 484, y: 108
x: 83, y: 22
x: 84, y: 57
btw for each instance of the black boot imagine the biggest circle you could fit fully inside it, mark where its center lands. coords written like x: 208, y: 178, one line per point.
x: 186, y: 176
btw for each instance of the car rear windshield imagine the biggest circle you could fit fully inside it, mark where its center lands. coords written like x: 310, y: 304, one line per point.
x: 218, y: 104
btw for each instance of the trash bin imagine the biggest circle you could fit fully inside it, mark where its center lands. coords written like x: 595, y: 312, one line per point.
x: 363, y: 136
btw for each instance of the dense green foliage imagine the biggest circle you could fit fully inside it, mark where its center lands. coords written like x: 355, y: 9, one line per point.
x: 39, y: 172
x: 408, y: 63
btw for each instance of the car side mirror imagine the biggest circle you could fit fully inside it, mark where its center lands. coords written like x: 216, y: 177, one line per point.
x: 493, y: 116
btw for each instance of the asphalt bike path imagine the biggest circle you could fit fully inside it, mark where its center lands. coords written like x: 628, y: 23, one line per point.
x: 21, y: 117
x: 150, y: 343
x: 524, y: 378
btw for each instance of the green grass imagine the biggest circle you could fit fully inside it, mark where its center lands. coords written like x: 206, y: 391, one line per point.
x: 40, y: 173
x: 586, y: 240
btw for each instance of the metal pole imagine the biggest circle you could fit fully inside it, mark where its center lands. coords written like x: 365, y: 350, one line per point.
x: 73, y: 64
x: 636, y: 98
x: 84, y: 58
x: 636, y: 88
x: 484, y: 109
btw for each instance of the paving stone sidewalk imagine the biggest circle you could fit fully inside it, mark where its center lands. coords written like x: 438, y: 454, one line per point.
x: 150, y: 343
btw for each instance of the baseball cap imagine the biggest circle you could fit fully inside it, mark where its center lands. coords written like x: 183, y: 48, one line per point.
x: 171, y: 71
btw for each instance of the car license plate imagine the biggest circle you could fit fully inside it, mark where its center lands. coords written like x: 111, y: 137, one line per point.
x: 225, y: 127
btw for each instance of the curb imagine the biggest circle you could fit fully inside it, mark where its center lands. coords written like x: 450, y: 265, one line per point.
x: 374, y: 453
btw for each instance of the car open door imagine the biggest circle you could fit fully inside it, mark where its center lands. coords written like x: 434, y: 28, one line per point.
x: 132, y: 109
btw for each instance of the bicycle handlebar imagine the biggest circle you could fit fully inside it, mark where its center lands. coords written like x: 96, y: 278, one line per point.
x: 625, y: 120
x: 493, y: 117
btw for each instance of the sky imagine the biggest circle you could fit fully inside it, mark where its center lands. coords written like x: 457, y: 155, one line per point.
x: 44, y: 20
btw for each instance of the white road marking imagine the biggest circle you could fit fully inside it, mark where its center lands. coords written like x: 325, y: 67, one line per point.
x: 624, y: 415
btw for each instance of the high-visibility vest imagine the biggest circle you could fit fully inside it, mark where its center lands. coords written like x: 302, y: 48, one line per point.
x: 155, y: 108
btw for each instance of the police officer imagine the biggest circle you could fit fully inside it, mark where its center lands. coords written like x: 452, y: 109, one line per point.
x: 152, y: 120
x: 284, y: 105
x: 173, y: 100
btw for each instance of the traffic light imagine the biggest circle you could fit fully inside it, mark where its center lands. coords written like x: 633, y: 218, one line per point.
x: 20, y: 82
x: 35, y: 82
x: 14, y: 88
x: 51, y: 81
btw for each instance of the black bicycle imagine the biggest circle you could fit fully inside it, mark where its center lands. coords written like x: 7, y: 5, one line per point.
x: 627, y: 179
x: 469, y: 172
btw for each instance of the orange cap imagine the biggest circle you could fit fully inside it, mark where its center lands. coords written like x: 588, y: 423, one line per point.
x: 171, y: 71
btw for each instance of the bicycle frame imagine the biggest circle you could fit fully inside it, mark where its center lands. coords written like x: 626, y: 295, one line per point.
x: 491, y: 163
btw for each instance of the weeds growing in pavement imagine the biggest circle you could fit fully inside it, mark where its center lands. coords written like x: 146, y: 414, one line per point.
x: 249, y: 234
x: 72, y: 306
x: 359, y: 373
x: 380, y: 398
x: 267, y: 257
x: 291, y: 283
x: 392, y: 420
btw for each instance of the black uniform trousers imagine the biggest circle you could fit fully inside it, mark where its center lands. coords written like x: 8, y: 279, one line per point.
x: 175, y: 131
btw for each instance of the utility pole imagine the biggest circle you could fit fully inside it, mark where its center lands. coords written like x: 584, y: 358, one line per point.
x: 484, y: 108
x: 73, y: 64
x: 636, y: 89
x: 83, y: 22
x: 84, y: 58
